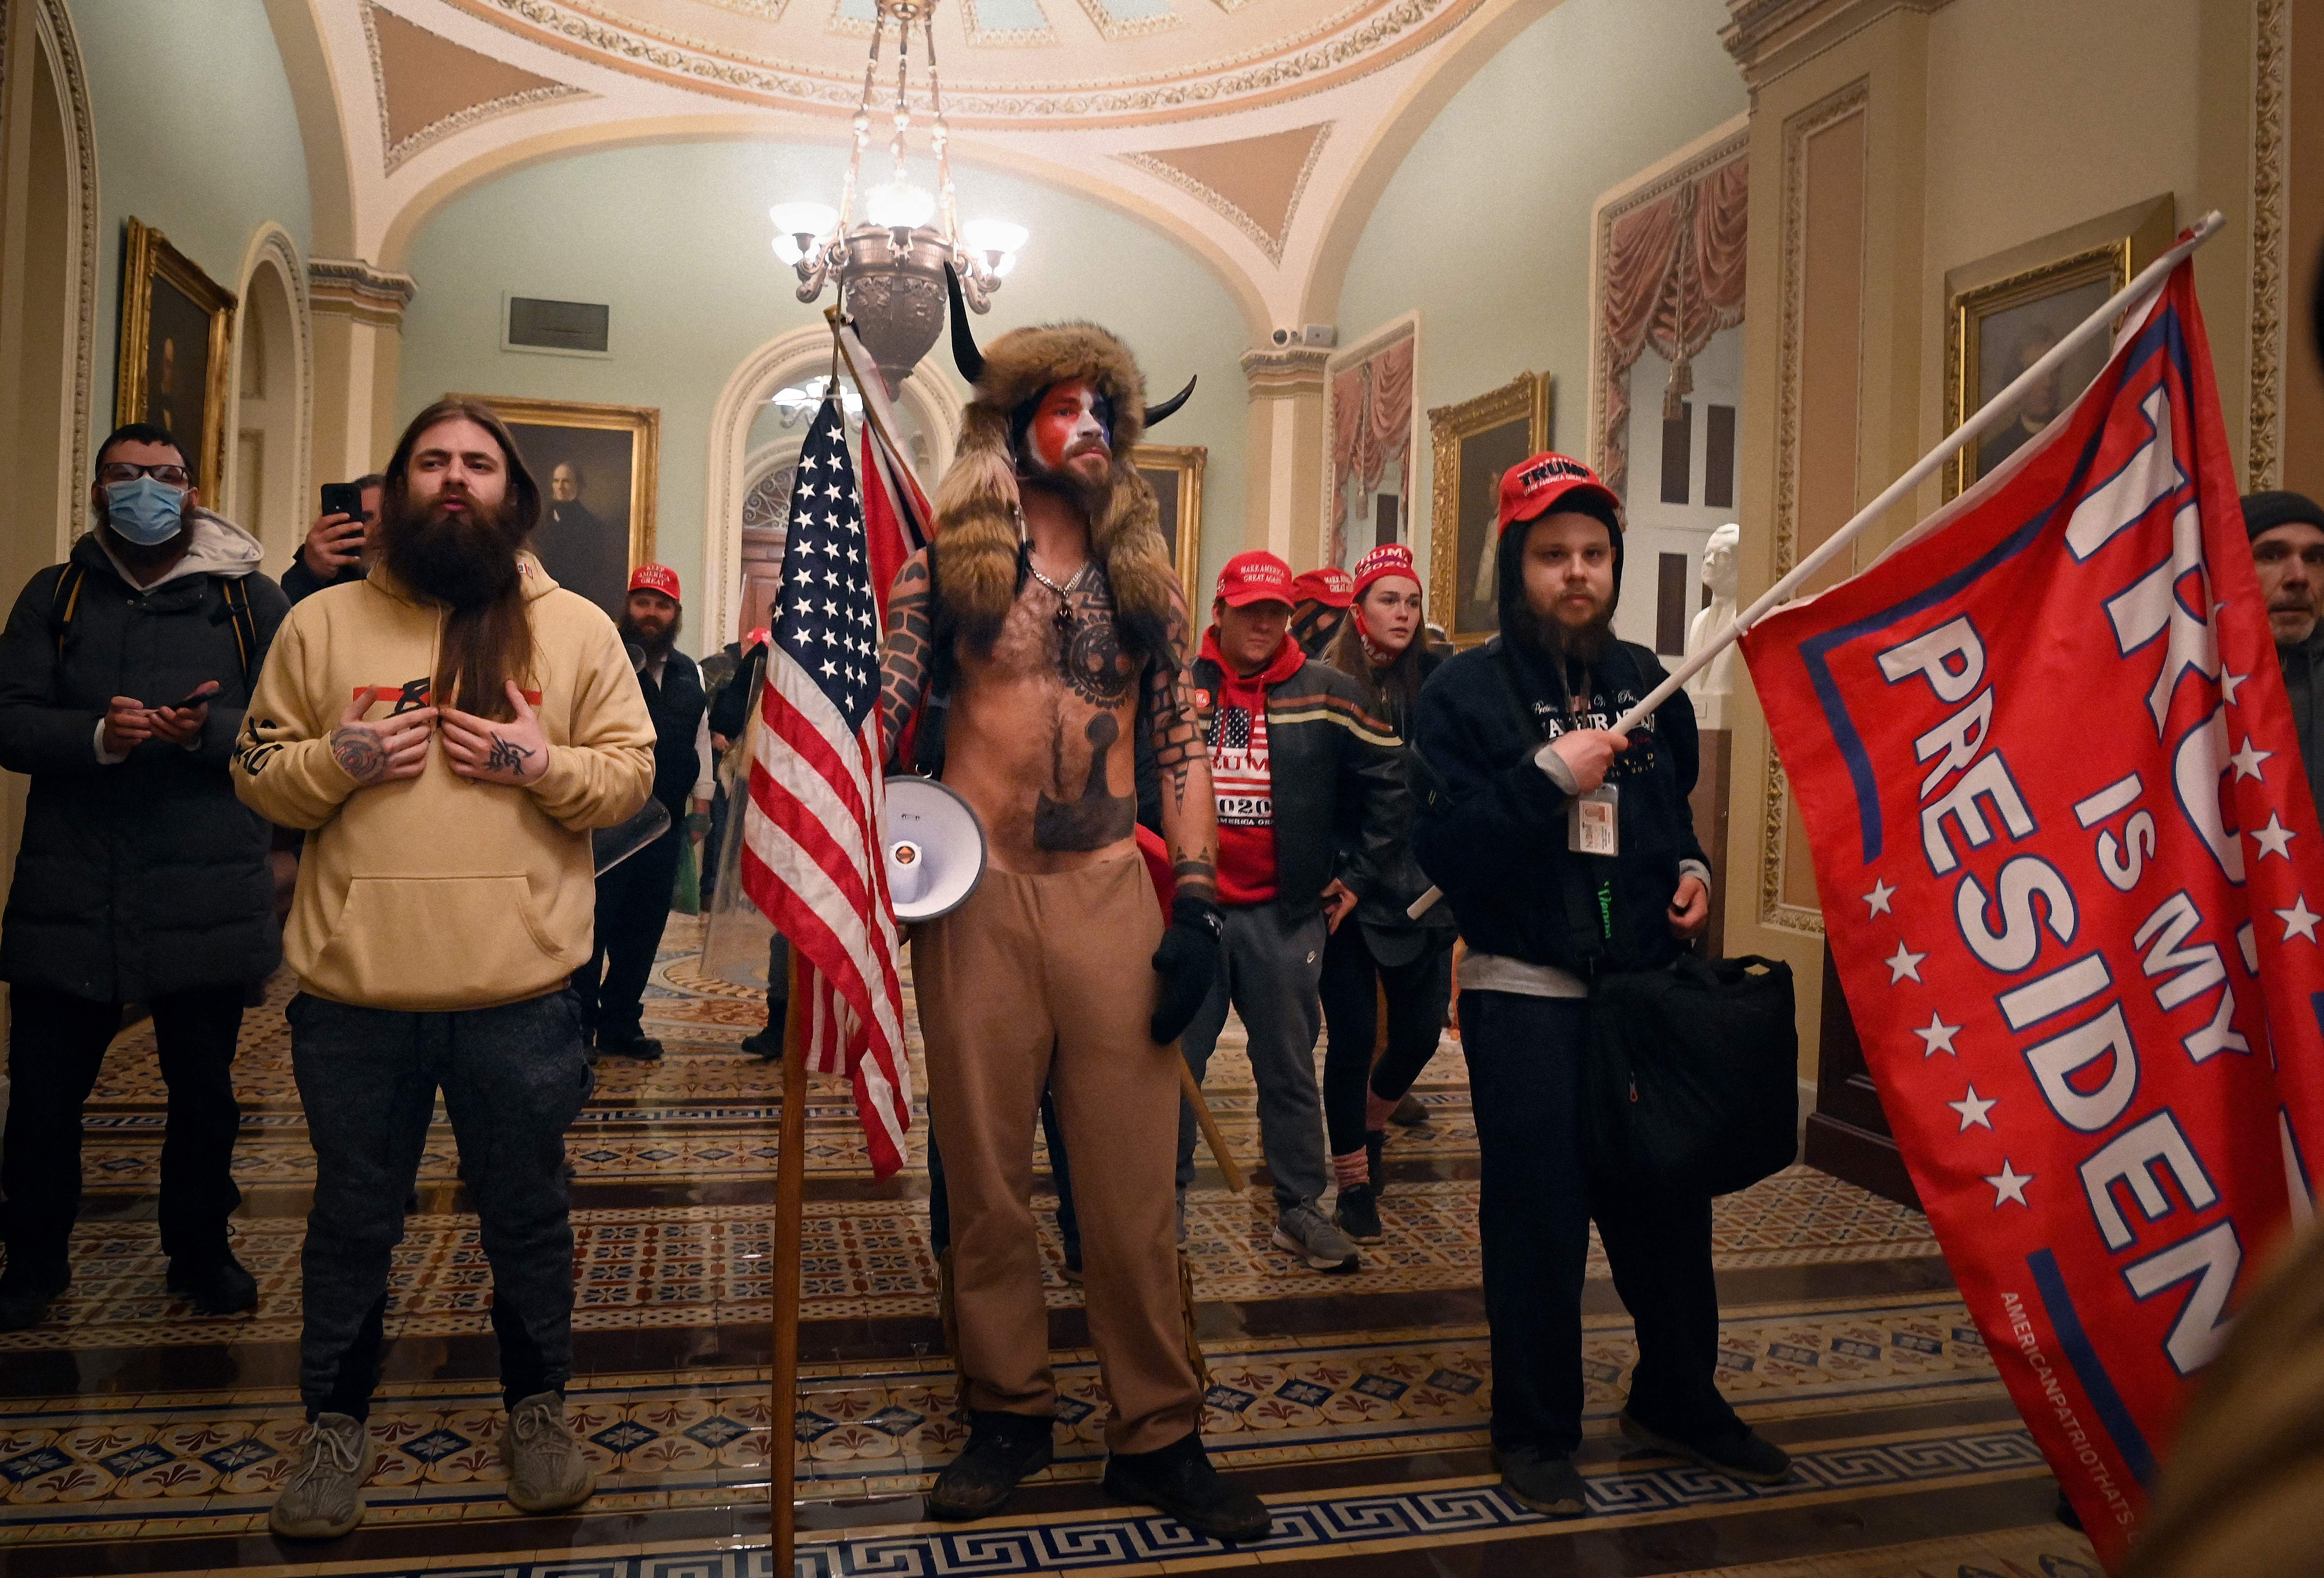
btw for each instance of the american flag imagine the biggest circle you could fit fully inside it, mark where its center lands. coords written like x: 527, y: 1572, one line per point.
x: 811, y: 850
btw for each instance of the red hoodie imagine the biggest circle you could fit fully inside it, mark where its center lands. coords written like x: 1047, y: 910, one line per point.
x: 1240, y: 775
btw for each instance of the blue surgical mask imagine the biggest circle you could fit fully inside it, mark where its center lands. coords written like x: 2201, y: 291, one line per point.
x: 145, y: 511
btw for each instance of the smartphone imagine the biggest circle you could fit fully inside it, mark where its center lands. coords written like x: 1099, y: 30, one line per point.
x: 195, y: 699
x: 342, y: 498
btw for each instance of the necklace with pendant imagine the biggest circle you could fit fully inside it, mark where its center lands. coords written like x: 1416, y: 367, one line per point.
x: 1065, y: 592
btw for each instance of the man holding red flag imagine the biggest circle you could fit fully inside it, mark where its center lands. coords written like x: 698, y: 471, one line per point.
x: 2085, y: 980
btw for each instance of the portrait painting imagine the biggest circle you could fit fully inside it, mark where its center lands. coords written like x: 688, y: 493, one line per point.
x: 596, y: 468
x: 1473, y: 444
x: 2007, y: 313
x: 176, y: 325
x: 1175, y: 472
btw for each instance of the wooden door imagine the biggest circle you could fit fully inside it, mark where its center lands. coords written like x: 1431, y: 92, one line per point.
x: 1849, y: 1135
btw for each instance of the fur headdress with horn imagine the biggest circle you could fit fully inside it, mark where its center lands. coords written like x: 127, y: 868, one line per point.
x: 982, y: 569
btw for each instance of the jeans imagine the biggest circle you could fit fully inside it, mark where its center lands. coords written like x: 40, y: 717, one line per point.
x: 1524, y: 1084
x: 1416, y: 994
x: 56, y: 1045
x: 632, y: 908
x: 1268, y: 966
x: 513, y: 1078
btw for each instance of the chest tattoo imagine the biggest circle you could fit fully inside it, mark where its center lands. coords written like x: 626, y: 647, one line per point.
x: 1098, y: 817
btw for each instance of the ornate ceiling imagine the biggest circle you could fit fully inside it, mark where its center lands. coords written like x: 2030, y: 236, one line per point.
x: 1254, y: 131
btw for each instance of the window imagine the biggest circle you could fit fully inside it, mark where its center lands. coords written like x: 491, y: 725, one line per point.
x: 1678, y: 447
x: 1719, y: 457
x: 1670, y: 605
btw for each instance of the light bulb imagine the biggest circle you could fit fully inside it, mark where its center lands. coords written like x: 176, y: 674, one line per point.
x: 994, y: 236
x: 786, y: 247
x: 899, y: 206
x: 807, y: 219
x: 1002, y: 264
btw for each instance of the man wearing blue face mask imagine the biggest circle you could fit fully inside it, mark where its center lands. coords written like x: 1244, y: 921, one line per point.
x: 124, y: 676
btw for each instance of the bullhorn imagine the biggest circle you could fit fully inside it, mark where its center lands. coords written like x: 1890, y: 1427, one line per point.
x: 970, y: 360
x: 934, y: 847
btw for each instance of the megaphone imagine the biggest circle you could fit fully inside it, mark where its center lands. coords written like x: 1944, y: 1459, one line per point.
x: 933, y: 845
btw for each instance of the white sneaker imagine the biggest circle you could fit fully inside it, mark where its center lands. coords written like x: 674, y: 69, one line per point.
x: 1303, y: 1231
x: 324, y: 1499
x: 547, y: 1470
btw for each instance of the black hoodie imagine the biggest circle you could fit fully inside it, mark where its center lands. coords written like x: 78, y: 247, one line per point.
x: 1489, y: 827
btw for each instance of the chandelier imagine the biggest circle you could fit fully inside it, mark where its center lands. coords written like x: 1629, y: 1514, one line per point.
x: 889, y: 265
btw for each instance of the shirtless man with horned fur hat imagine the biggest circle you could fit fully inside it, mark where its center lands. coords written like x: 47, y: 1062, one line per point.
x: 1048, y: 609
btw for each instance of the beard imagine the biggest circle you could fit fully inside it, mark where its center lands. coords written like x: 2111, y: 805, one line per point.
x: 1062, y: 481
x: 654, y: 646
x: 1557, y: 643
x: 467, y: 559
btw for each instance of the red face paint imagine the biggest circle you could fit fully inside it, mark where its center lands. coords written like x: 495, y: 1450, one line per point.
x: 1070, y: 419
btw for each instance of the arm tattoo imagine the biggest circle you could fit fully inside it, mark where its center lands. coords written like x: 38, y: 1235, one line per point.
x: 907, y: 651
x: 1184, y: 761
x: 358, y: 753
x: 507, y: 756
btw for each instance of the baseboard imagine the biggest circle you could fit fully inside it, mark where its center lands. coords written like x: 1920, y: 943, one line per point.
x: 1869, y: 1160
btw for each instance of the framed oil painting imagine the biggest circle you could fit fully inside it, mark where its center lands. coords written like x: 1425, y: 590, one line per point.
x: 1472, y: 444
x: 176, y: 326
x: 1175, y: 472
x: 597, y: 467
x: 2005, y: 312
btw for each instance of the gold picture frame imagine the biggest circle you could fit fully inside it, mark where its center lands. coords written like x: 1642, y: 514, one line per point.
x: 2002, y: 311
x: 1175, y: 472
x: 591, y: 548
x: 1472, y: 444
x: 162, y: 288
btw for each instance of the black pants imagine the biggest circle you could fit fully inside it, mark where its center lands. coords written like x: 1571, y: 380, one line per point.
x: 514, y: 1079
x: 1416, y: 994
x: 1524, y: 1084
x: 632, y: 908
x: 56, y: 1044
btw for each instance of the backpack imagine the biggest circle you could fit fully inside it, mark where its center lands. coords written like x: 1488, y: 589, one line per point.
x: 65, y: 602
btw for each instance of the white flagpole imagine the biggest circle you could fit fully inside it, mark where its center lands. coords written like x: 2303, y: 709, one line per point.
x: 1987, y: 416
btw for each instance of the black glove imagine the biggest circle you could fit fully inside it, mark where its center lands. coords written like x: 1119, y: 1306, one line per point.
x: 1188, y: 963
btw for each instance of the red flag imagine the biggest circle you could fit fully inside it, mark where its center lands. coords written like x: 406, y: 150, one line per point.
x: 2066, y: 850
x: 891, y: 535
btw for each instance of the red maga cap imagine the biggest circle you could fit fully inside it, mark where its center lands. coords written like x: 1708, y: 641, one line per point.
x: 1535, y: 488
x: 1332, y: 587
x: 1256, y: 577
x: 1389, y: 558
x: 653, y: 578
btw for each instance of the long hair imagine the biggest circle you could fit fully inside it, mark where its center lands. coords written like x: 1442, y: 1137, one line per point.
x: 1392, y: 689
x: 486, y: 643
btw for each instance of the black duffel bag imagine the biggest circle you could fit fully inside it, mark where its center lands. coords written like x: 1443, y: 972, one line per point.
x: 1691, y: 1086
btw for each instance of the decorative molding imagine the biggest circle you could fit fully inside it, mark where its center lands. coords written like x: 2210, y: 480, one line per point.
x: 1286, y: 373
x: 1111, y: 27
x: 981, y: 37
x: 1771, y: 39
x: 1732, y: 141
x: 790, y: 357
x: 274, y: 244
x: 351, y: 288
x: 1855, y: 99
x: 2271, y: 106
x: 395, y: 154
x: 1356, y: 41
x: 52, y: 32
x: 1271, y: 245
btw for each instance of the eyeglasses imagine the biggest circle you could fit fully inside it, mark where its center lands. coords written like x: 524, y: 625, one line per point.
x: 123, y: 471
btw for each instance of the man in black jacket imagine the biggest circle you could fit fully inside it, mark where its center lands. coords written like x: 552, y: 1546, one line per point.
x: 1310, y: 800
x: 2287, y: 543
x: 633, y: 898
x: 1567, y: 852
x: 335, y: 546
x: 124, y: 674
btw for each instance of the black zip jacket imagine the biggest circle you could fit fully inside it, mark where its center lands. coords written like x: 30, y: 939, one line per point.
x: 676, y: 707
x: 1337, y: 778
x: 2303, y: 679
x: 1489, y: 827
x: 1393, y: 937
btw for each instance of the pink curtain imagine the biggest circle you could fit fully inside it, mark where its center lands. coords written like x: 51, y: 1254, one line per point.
x: 1674, y: 279
x: 1371, y: 425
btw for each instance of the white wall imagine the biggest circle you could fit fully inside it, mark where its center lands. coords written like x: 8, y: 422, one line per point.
x: 676, y: 239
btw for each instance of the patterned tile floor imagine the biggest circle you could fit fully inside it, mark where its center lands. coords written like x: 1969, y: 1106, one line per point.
x: 1365, y: 1430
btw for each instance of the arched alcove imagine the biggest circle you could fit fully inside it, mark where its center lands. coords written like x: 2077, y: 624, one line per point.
x: 738, y: 459
x: 267, y: 461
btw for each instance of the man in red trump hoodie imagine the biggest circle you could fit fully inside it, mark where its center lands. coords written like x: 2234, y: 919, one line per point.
x: 1296, y: 762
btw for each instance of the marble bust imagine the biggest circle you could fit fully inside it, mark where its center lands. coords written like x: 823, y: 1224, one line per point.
x: 1709, y: 689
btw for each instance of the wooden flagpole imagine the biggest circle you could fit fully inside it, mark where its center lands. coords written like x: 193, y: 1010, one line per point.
x: 790, y: 1180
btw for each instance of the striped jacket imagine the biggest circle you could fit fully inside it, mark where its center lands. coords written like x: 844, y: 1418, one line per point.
x: 1341, y: 806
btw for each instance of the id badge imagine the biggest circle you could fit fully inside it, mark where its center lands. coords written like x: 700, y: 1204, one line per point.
x: 1593, y: 821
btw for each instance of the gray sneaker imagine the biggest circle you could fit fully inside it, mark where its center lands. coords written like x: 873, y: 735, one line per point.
x: 324, y: 1499
x: 1303, y: 1232
x: 547, y: 1471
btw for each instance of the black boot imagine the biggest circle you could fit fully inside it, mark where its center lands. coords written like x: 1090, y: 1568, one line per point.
x: 643, y: 1048
x: 1001, y: 1450
x: 1180, y: 1480
x: 26, y: 1290
x: 216, y: 1284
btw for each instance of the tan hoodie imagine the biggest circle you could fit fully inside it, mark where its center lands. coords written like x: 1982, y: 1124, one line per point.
x: 438, y: 892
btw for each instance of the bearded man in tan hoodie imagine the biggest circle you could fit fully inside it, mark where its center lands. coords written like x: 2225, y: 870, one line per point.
x: 448, y: 732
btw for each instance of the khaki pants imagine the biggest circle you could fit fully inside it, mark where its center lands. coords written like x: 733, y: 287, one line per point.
x: 1028, y: 965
